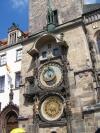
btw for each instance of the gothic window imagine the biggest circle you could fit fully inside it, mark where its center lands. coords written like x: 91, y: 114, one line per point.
x: 18, y: 54
x: 2, y: 83
x: 53, y: 17
x: 3, y: 59
x: 55, y: 14
x: 17, y: 79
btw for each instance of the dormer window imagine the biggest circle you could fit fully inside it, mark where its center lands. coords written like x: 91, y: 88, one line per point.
x: 13, y: 38
x: 13, y: 34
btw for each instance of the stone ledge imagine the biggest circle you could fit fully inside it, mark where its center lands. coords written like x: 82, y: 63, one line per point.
x: 91, y: 108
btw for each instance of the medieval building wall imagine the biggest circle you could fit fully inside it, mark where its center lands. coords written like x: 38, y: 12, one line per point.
x: 79, y: 74
x: 82, y: 63
x: 26, y: 109
x: 93, y: 31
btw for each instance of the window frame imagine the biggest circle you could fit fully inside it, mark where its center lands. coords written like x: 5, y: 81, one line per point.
x: 2, y: 83
x: 55, y: 17
x: 16, y: 79
x: 44, y: 52
x: 56, y: 53
x: 13, y: 38
x: 17, y: 54
x: 4, y: 60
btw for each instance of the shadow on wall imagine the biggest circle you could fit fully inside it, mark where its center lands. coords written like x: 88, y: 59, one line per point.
x: 98, y: 130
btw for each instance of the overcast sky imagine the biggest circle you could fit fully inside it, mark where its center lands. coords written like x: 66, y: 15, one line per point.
x: 17, y: 11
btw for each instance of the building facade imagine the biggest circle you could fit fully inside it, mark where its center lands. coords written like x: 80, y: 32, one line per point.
x: 60, y: 90
x: 10, y: 76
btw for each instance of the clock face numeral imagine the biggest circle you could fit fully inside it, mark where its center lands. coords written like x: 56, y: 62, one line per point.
x: 50, y: 75
x: 52, y: 108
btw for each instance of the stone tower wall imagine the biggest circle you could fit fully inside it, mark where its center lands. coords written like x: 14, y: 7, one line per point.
x: 67, y: 11
x: 80, y: 78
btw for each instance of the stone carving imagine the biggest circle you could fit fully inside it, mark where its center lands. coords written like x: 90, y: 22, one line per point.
x: 36, y: 106
x: 11, y: 96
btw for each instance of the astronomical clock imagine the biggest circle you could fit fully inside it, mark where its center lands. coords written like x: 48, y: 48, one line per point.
x: 50, y: 76
x: 51, y: 108
x: 51, y: 85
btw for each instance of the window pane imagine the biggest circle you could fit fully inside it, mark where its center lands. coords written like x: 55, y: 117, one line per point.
x: 2, y: 83
x: 17, y: 79
x: 19, y: 54
x: 55, y: 17
x: 56, y: 52
x: 13, y: 38
x: 3, y: 60
x: 44, y: 54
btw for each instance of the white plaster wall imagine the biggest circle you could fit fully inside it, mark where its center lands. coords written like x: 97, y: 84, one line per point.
x: 14, y: 66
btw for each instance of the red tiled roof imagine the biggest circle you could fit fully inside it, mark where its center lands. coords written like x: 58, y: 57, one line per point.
x: 3, y: 42
x: 25, y: 34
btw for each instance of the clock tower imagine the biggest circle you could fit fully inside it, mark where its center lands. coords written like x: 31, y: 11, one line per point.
x: 47, y: 86
x: 60, y: 83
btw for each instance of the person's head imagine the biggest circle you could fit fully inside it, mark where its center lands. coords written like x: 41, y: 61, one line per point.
x: 98, y: 130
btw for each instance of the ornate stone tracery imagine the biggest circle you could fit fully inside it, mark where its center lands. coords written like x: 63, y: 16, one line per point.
x: 9, y: 118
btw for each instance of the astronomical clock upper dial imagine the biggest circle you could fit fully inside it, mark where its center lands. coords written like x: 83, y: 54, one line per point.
x: 50, y: 75
x: 52, y: 108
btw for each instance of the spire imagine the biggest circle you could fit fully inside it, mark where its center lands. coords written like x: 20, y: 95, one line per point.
x: 13, y: 27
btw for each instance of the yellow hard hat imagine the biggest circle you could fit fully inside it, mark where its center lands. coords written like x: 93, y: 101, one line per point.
x: 18, y: 130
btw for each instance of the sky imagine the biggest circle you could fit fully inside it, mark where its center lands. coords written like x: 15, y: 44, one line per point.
x: 13, y: 11
x: 91, y: 1
x: 17, y: 11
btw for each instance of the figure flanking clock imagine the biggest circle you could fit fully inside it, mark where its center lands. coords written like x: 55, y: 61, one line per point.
x: 50, y: 101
